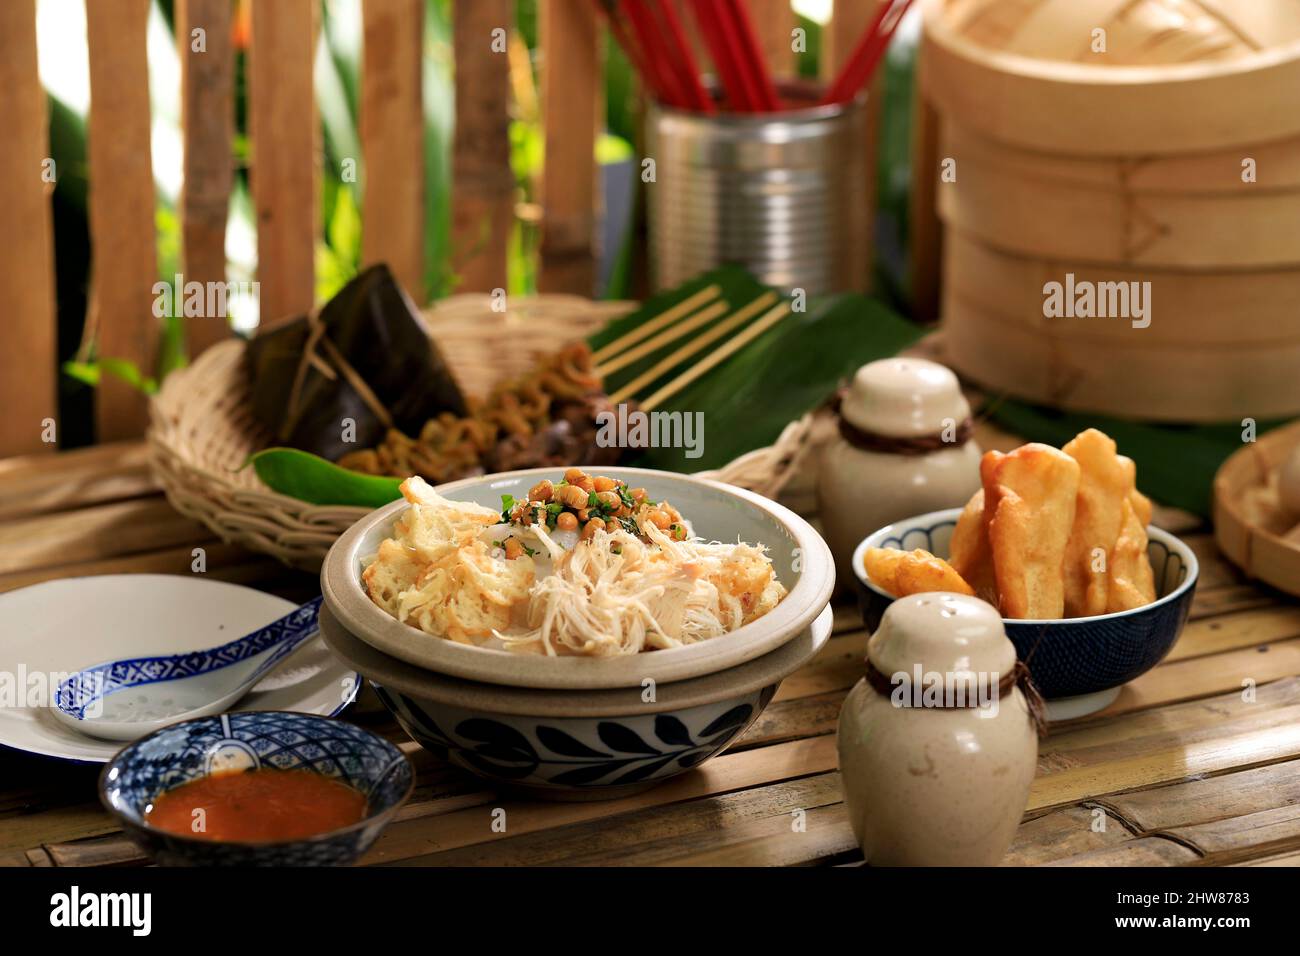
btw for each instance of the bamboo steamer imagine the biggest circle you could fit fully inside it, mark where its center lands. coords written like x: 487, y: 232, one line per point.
x: 1268, y: 550
x: 1225, y: 309
x: 1197, y: 361
x: 1177, y: 76
x: 1122, y: 166
x: 1214, y: 221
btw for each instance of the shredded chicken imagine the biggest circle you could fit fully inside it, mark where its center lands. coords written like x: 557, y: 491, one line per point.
x: 610, y: 594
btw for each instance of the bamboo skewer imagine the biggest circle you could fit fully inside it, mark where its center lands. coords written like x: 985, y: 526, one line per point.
x: 670, y: 334
x: 770, y: 318
x: 686, y: 306
x: 741, y: 316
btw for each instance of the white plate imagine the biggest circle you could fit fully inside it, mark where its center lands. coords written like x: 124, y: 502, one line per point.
x: 51, y: 629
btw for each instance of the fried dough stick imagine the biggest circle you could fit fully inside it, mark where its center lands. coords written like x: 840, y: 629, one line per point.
x: 912, y: 572
x: 1106, y: 480
x: 1029, y: 504
x: 1130, y: 582
x: 969, y: 552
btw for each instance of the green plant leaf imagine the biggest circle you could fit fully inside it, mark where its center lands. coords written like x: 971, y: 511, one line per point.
x: 310, y: 478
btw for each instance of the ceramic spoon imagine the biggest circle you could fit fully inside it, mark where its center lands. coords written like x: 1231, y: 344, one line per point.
x: 126, y: 699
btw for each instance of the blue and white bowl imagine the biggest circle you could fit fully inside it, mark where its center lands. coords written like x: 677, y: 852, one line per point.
x: 1079, y: 664
x: 193, y: 749
x: 576, y: 745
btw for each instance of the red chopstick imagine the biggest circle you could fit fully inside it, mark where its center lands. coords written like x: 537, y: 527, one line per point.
x: 866, y: 56
x: 657, y: 57
x: 723, y: 56
x: 684, y: 58
x: 760, y: 80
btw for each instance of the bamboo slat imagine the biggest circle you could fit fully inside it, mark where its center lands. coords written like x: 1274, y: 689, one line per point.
x: 1062, y: 833
x: 128, y: 476
x: 572, y: 108
x: 124, y: 259
x: 77, y: 464
x: 1272, y: 830
x: 483, y: 194
x: 1210, y: 800
x: 30, y: 353
x: 392, y: 139
x: 95, y: 533
x: 1173, y: 763
x: 849, y: 21
x: 1250, y: 628
x: 413, y: 843
x: 282, y: 121
x: 826, y: 838
x: 1183, y: 680
x: 925, y: 232
x: 1148, y: 851
x: 647, y: 836
x: 207, y: 124
x: 1100, y: 738
x: 225, y: 562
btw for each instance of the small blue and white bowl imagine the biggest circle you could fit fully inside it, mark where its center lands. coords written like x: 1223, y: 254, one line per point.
x: 249, y: 740
x: 1079, y: 664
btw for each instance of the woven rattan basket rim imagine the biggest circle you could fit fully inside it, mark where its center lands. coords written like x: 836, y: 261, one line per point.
x: 202, y: 430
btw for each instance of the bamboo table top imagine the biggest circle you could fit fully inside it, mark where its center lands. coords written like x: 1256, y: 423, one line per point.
x: 1184, y: 768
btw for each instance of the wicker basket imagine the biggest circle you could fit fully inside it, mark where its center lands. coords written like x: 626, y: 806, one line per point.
x: 203, y: 429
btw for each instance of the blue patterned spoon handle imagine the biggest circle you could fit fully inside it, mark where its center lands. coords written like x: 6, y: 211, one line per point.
x: 282, y: 637
x: 297, y: 626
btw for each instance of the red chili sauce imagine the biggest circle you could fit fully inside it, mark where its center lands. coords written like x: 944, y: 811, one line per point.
x: 257, y: 806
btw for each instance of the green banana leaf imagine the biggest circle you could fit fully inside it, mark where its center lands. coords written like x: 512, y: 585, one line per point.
x: 745, y: 402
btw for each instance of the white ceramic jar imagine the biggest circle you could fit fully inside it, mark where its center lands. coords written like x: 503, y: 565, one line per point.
x: 903, y: 449
x: 936, y: 785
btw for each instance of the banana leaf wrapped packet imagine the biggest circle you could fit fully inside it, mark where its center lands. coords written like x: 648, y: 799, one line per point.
x: 365, y: 357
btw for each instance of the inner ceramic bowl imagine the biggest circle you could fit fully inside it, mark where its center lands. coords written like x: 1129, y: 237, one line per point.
x: 800, y: 557
x: 1067, y: 657
x: 249, y: 740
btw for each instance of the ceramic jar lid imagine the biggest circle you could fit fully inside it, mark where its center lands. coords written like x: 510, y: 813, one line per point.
x: 942, y: 632
x: 904, y: 398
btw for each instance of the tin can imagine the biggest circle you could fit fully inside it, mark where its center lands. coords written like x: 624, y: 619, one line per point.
x: 782, y: 194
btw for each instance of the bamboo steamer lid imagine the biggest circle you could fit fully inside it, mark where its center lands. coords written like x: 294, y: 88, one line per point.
x: 1176, y: 75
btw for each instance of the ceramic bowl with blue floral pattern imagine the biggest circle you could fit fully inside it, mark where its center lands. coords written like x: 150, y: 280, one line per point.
x: 1079, y: 664
x: 249, y: 740
x: 576, y: 745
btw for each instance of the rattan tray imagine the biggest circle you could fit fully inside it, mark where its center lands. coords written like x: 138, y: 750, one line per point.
x: 1271, y: 555
x: 202, y: 429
